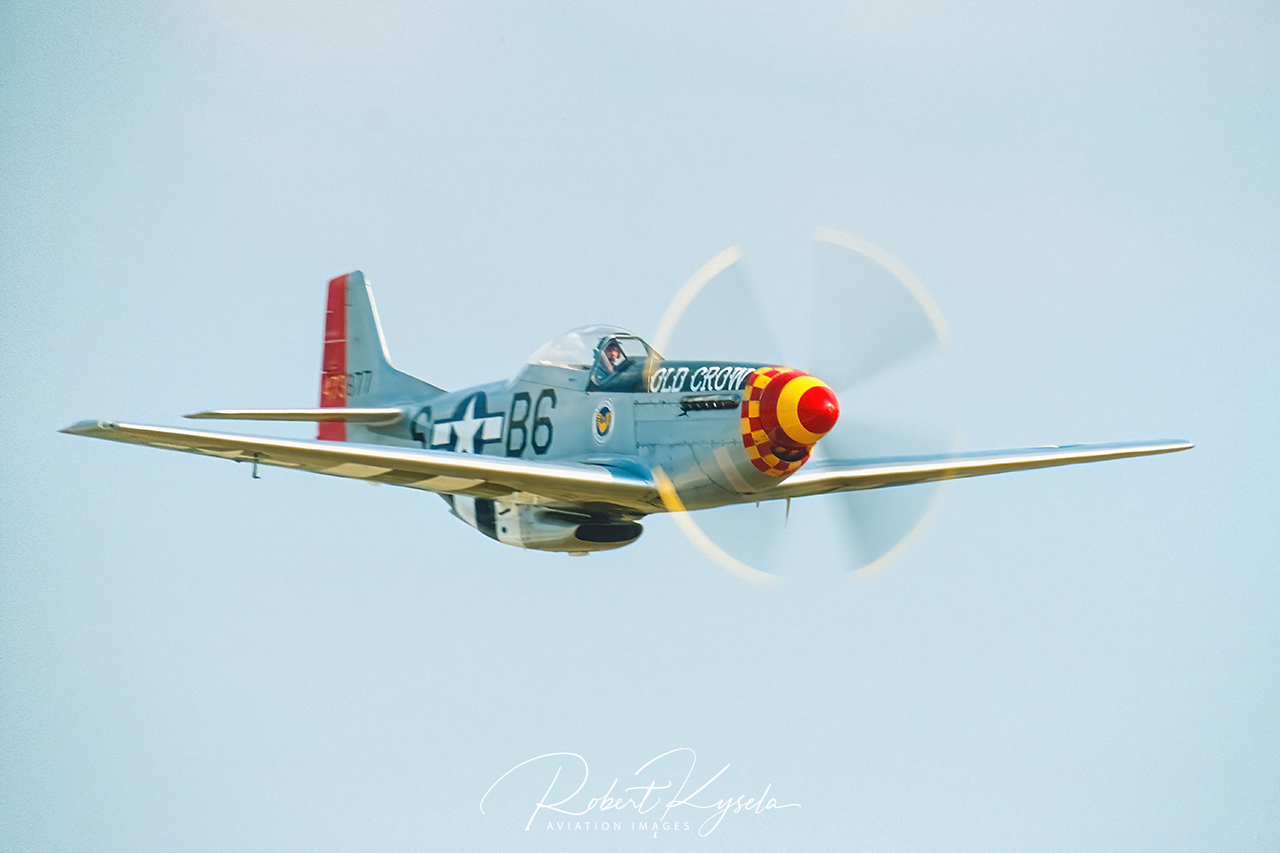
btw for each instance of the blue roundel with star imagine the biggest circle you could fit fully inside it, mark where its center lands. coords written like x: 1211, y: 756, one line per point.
x: 602, y: 421
x: 471, y: 428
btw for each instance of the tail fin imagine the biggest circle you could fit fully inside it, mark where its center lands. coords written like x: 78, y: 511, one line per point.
x: 356, y: 371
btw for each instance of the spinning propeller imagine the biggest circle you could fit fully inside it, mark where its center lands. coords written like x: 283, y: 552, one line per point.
x: 866, y: 319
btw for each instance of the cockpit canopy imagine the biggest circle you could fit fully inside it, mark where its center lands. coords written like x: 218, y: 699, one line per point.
x: 616, y: 358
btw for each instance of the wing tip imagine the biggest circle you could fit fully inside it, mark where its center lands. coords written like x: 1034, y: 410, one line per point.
x: 90, y: 427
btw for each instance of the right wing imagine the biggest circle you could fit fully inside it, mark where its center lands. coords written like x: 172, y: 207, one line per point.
x: 854, y: 475
x: 526, y: 480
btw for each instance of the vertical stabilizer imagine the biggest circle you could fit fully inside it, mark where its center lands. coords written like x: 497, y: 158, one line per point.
x: 356, y: 371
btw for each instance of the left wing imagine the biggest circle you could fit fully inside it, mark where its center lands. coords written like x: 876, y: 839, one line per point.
x: 432, y: 470
x: 846, y: 476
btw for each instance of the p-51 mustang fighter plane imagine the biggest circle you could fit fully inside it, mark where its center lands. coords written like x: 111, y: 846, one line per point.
x: 594, y: 433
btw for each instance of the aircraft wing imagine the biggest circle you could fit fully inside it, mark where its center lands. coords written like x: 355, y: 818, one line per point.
x: 822, y: 478
x: 432, y: 470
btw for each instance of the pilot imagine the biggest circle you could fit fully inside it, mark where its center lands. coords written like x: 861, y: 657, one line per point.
x: 613, y: 357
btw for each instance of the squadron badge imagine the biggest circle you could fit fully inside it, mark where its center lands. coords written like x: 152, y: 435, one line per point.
x: 603, y: 421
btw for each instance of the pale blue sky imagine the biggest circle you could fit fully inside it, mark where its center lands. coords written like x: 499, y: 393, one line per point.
x: 1074, y: 659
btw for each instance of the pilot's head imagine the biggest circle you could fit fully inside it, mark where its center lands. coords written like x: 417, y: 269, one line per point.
x: 612, y: 356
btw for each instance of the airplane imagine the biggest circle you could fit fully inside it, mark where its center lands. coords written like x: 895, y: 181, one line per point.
x: 594, y: 433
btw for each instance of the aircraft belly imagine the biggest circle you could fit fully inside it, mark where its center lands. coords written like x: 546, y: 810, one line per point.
x: 543, y: 529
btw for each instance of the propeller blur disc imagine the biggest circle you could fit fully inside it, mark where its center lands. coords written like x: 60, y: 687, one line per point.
x: 868, y: 315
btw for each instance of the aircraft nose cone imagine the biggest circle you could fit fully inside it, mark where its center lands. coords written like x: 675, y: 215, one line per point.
x: 818, y: 409
x: 802, y: 406
x: 785, y: 412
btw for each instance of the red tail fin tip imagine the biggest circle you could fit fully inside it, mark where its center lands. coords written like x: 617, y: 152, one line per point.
x: 333, y: 371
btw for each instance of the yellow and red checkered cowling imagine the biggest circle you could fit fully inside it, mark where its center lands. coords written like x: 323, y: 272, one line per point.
x: 784, y: 413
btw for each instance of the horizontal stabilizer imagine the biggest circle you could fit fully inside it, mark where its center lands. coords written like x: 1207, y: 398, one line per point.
x: 381, y: 417
x: 853, y: 475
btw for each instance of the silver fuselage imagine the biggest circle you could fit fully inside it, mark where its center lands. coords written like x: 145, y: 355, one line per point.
x: 681, y: 418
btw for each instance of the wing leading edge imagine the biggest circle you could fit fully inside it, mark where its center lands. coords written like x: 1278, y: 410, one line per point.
x: 434, y: 471
x: 853, y: 475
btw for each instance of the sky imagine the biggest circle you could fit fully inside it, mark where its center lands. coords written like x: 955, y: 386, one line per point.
x: 1079, y: 658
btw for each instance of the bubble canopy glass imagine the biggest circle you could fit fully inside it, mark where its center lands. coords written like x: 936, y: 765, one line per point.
x: 577, y: 348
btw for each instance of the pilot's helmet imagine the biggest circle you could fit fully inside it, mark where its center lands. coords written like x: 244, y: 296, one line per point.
x: 613, y: 355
